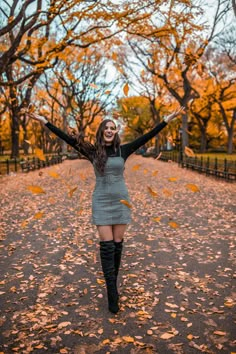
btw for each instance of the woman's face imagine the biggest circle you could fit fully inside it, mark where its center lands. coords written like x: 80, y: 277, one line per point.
x: 109, y: 133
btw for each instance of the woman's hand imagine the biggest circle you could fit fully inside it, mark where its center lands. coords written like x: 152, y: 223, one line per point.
x: 173, y: 115
x: 30, y: 112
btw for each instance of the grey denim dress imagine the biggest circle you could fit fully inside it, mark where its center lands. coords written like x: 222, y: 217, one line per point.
x: 109, y: 190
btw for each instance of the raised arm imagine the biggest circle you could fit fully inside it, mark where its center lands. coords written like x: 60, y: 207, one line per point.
x: 58, y: 132
x: 134, y: 145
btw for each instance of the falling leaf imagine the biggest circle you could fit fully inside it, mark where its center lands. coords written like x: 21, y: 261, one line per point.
x: 71, y: 192
x: 172, y: 179
x: 93, y: 86
x: 35, y: 189
x: 28, y: 142
x: 53, y: 174
x: 152, y: 192
x: 136, y: 120
x: 107, y: 92
x: 189, y: 152
x: 173, y: 224
x: 126, y: 89
x: 38, y: 215
x: 192, y: 187
x: 39, y: 154
x: 125, y: 202
x: 125, y: 107
x: 114, y: 56
x: 136, y: 167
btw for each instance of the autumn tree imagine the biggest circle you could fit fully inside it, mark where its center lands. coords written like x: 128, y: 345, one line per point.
x: 170, y: 52
x: 34, y: 35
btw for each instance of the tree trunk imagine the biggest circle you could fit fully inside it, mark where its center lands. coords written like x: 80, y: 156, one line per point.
x: 185, y: 140
x: 15, y: 152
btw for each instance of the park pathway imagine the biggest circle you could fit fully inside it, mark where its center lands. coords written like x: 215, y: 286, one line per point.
x: 178, y: 268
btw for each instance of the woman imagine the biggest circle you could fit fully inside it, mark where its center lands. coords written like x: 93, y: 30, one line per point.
x: 109, y: 204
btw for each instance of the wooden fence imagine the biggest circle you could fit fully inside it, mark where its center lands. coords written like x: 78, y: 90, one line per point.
x: 9, y: 166
x: 220, y: 168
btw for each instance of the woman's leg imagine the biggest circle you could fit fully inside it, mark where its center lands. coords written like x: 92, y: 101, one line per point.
x: 118, y: 235
x: 107, y: 254
x: 105, y: 232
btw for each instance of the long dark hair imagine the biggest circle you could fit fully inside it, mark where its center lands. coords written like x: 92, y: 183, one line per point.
x: 97, y: 152
x: 100, y: 157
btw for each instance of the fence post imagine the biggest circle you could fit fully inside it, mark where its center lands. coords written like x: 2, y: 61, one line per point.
x: 226, y: 175
x: 207, y: 165
x: 7, y: 163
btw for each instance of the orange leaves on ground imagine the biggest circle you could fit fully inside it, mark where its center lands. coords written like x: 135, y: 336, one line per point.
x: 189, y: 152
x: 128, y: 339
x: 63, y: 324
x: 192, y: 187
x: 39, y: 154
x: 220, y: 333
x: 126, y: 89
x: 172, y: 179
x: 71, y: 192
x: 136, y: 167
x: 24, y: 223
x: 152, y: 192
x: 39, y: 215
x: 35, y: 189
x: 157, y: 219
x: 125, y: 202
x: 100, y: 281
x: 167, y: 335
x: 173, y: 224
x: 53, y: 174
x: 167, y: 193
x: 154, y: 173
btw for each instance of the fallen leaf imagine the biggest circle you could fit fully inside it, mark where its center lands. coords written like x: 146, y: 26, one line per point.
x: 173, y: 224
x: 152, y: 192
x: 167, y: 335
x: 128, y: 339
x: 192, y: 187
x: 35, y: 189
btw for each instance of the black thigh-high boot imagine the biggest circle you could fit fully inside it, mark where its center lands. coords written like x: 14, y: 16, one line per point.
x: 107, y: 254
x: 118, y: 254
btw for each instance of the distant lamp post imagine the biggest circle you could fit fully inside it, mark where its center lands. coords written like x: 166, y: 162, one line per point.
x: 180, y: 146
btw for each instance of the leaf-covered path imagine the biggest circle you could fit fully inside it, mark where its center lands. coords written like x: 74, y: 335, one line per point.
x: 177, y: 273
